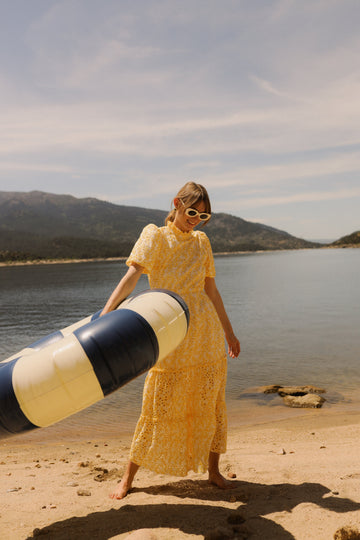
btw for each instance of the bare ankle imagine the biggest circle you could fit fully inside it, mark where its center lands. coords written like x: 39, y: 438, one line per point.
x: 125, y: 484
x: 217, y: 479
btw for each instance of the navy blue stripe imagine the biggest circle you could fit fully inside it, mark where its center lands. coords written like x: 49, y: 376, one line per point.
x: 120, y: 346
x: 12, y: 419
x: 47, y: 340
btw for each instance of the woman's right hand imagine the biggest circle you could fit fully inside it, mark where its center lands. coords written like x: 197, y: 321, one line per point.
x: 124, y: 288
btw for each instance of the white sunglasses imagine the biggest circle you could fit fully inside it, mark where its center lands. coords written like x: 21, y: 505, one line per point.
x: 191, y: 212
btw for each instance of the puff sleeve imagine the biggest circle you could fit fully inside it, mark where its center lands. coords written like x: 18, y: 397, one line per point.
x: 146, y: 249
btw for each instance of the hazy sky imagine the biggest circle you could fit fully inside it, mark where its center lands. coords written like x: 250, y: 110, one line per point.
x: 126, y: 100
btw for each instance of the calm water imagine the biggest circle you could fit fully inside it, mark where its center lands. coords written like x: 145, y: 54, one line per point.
x: 297, y: 315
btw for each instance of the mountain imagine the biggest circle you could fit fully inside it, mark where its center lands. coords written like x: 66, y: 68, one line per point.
x: 38, y: 225
x: 351, y: 240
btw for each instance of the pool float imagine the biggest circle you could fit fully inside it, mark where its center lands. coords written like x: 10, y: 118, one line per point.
x: 73, y: 368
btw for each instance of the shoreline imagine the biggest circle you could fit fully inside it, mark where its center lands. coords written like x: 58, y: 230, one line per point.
x: 79, y: 429
x: 115, y: 259
x: 59, y: 261
x: 297, y: 478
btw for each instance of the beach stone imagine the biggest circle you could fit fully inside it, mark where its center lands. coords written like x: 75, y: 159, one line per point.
x: 314, y: 389
x: 310, y: 401
x: 270, y: 389
x: 347, y: 533
x: 299, y: 390
x: 292, y: 391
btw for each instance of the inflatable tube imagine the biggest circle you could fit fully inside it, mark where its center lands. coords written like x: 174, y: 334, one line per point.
x: 73, y: 368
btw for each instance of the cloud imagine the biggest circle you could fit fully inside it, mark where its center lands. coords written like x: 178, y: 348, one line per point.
x: 259, y: 100
x: 296, y: 198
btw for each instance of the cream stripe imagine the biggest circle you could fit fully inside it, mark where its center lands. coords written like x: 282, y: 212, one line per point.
x: 169, y: 321
x: 55, y: 382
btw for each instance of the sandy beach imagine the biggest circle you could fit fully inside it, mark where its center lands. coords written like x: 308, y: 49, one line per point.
x: 297, y: 478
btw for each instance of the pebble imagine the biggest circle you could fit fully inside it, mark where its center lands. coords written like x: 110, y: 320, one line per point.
x: 101, y: 469
x: 347, y: 533
x: 100, y: 477
x: 84, y: 493
x: 280, y: 452
x: 72, y: 484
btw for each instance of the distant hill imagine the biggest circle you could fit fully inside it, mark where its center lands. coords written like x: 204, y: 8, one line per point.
x: 38, y: 225
x: 351, y: 240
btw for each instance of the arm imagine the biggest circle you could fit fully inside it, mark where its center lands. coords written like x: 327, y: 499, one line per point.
x: 124, y: 288
x: 214, y: 295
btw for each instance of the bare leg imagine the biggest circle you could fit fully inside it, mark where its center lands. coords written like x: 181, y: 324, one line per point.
x: 215, y: 477
x: 123, y: 488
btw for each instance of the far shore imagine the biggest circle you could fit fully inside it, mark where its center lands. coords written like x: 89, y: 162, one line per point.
x: 36, y: 262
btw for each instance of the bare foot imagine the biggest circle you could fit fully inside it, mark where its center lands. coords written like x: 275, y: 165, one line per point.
x: 218, y: 480
x: 124, y: 486
x: 122, y: 489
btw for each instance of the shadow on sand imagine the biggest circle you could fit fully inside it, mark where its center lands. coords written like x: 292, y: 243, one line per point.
x: 247, y: 520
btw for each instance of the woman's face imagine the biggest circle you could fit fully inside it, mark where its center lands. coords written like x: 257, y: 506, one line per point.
x: 184, y: 222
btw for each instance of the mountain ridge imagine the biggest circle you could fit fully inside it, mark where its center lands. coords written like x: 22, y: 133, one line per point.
x: 40, y: 225
x: 350, y: 240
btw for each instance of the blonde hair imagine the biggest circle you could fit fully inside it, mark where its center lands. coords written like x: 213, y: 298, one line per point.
x: 191, y: 194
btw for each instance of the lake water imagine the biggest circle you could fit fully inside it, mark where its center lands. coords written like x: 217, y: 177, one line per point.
x: 297, y: 314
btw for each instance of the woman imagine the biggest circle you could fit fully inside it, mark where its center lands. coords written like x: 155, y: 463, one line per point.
x: 183, y: 423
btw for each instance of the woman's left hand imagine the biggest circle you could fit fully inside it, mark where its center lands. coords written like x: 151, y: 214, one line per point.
x: 234, y: 346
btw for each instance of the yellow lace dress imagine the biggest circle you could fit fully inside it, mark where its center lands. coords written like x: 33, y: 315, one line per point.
x: 183, y: 413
